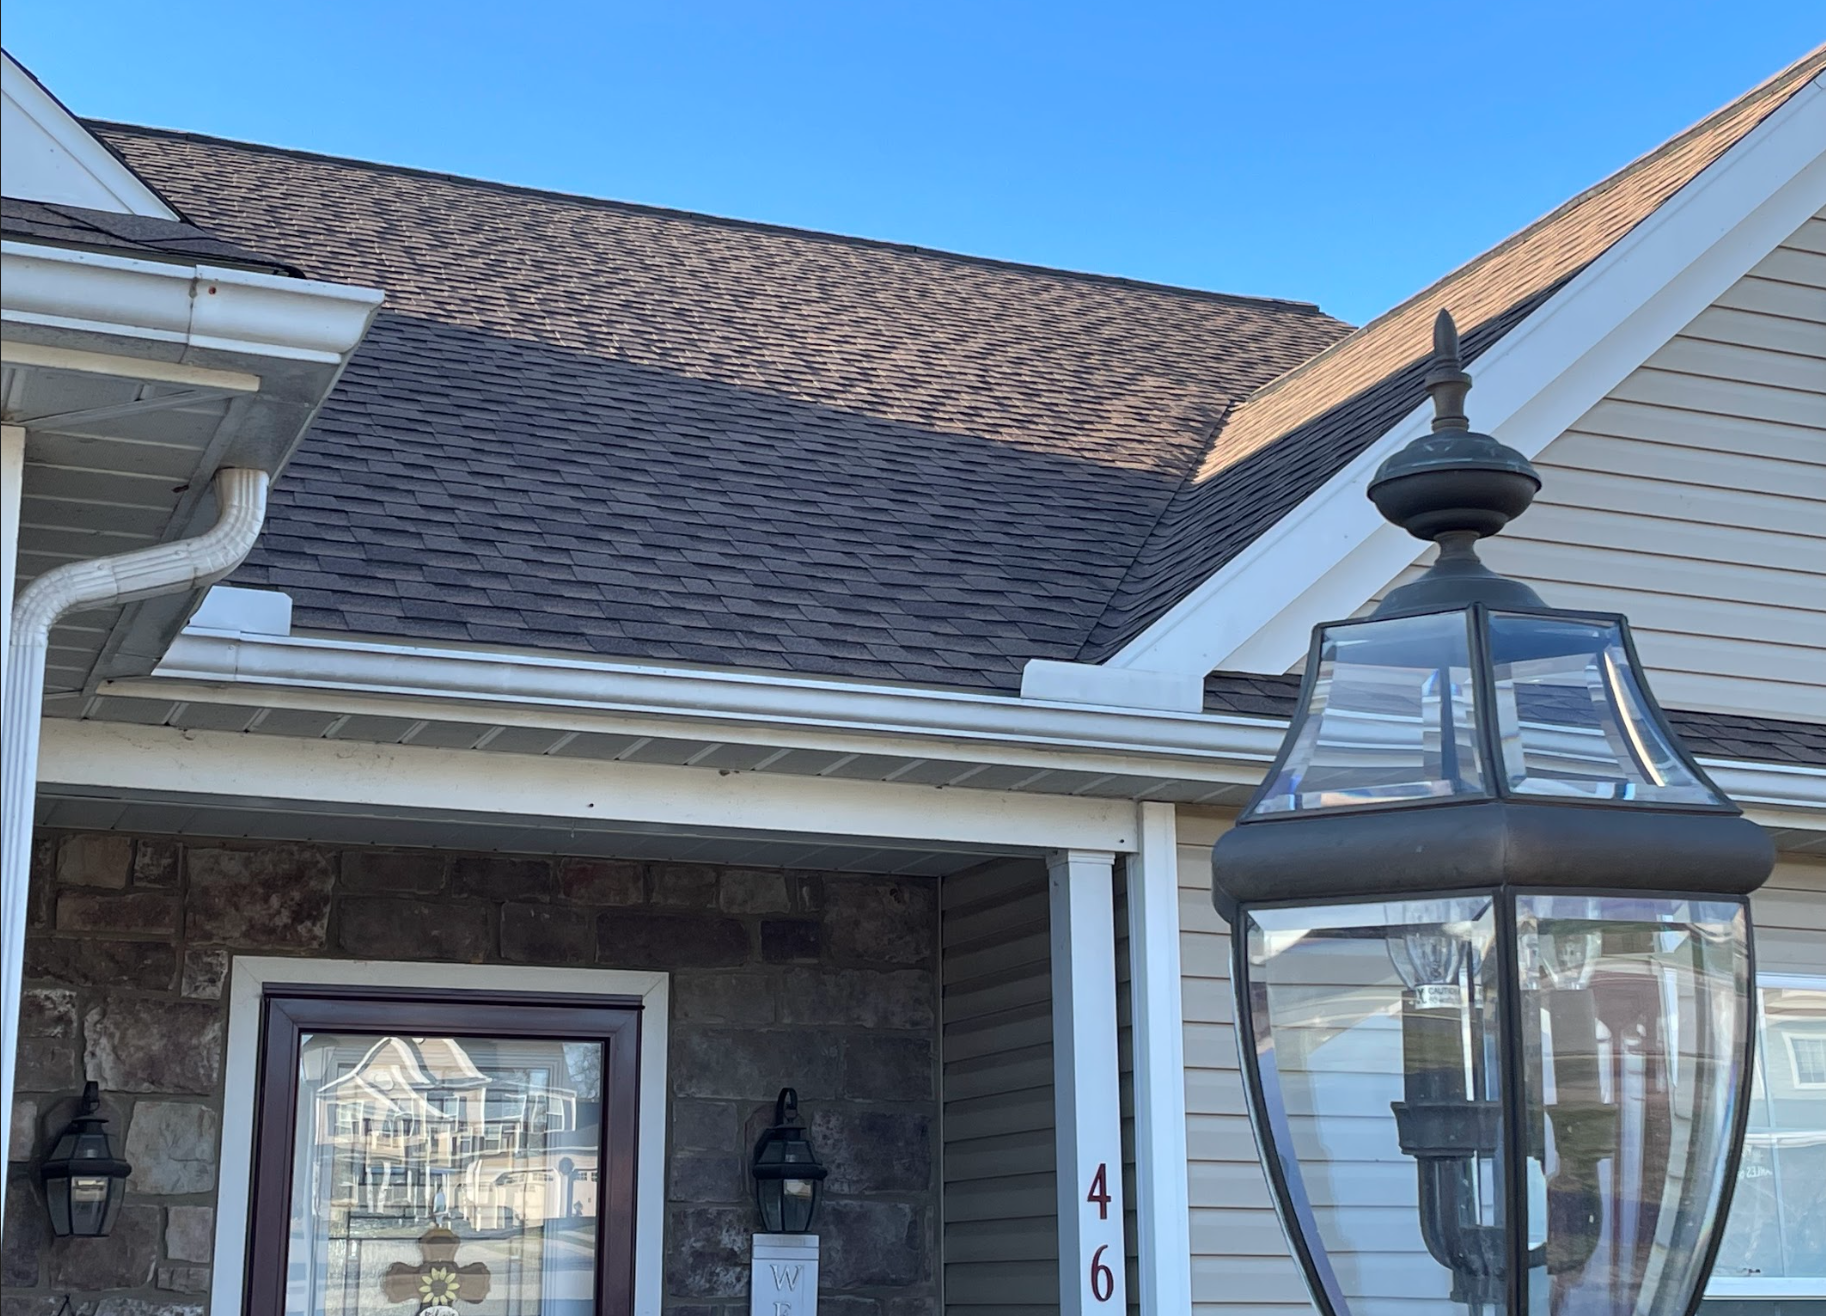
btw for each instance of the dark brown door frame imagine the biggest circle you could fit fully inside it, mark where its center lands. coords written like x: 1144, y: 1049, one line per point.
x: 288, y: 1010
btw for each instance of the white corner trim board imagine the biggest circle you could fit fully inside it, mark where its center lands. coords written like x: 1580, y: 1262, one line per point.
x: 1333, y: 552
x: 141, y: 574
x: 247, y: 985
x: 1163, y: 1208
x: 192, y: 306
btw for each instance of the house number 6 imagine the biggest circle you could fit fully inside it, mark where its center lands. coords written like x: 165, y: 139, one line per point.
x: 1103, y: 1279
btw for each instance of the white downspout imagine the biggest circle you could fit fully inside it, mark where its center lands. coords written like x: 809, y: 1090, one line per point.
x: 102, y: 582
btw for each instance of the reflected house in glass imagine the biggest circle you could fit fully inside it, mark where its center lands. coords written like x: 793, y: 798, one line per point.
x: 1491, y: 940
x: 416, y: 1130
x: 425, y: 1154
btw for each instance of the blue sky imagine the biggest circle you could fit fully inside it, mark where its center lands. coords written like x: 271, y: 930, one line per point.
x: 1346, y: 154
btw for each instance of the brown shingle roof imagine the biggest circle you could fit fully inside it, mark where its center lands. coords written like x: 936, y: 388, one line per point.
x: 1288, y: 438
x: 605, y: 428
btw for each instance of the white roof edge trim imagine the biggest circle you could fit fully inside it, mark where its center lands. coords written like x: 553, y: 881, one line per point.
x: 1333, y: 552
x: 201, y: 307
x: 103, y: 168
x: 898, y: 720
x: 703, y: 697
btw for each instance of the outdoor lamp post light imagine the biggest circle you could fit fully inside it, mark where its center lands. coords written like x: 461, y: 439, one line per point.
x: 1491, y: 940
x: 786, y: 1171
x: 84, y: 1180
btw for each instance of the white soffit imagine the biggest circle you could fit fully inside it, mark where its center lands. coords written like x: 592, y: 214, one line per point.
x: 1330, y: 555
x: 46, y: 155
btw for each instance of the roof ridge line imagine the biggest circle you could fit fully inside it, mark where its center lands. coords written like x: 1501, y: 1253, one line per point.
x: 1207, y: 441
x: 727, y: 221
x: 1799, y: 70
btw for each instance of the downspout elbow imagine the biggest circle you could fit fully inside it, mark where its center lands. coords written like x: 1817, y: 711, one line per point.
x: 148, y: 572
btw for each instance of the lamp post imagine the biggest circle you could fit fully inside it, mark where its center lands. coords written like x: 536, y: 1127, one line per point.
x: 1491, y: 940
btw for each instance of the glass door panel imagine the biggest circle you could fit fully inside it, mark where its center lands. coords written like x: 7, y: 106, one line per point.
x: 432, y: 1169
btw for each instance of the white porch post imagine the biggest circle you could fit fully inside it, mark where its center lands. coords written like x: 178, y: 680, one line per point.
x: 1163, y: 1208
x: 1087, y: 1093
x: 12, y: 480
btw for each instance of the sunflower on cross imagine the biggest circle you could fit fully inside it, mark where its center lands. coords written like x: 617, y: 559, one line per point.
x: 437, y: 1281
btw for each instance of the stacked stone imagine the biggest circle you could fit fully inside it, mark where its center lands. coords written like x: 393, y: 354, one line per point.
x: 823, y: 982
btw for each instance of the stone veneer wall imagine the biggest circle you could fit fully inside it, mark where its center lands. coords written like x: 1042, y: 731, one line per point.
x: 820, y: 981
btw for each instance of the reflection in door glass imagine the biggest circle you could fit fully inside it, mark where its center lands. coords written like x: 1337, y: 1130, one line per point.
x: 445, y: 1174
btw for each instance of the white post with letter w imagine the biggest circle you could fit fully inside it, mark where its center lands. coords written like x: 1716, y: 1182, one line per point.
x: 784, y: 1281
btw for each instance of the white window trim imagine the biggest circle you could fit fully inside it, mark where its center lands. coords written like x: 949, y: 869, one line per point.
x: 1794, y: 1060
x: 247, y: 986
x: 1754, y: 1286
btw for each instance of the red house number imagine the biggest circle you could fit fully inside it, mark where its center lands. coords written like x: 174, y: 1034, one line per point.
x: 1103, y: 1279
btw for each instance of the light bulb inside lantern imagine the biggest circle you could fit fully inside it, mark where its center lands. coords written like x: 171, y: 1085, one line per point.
x: 1429, y: 960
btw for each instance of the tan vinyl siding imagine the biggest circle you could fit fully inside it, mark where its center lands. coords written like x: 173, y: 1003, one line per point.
x: 1693, y: 498
x: 1240, y: 1263
x: 1790, y: 918
x: 1001, y: 1244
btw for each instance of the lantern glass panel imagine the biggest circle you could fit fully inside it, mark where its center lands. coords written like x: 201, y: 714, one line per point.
x: 1389, y: 719
x: 1635, y: 1014
x: 1573, y: 719
x: 1376, y: 1037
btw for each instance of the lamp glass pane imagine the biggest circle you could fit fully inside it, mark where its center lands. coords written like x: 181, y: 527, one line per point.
x: 1777, y: 1230
x: 1389, y: 719
x: 1634, y: 1018
x: 1574, y: 719
x: 1376, y: 1030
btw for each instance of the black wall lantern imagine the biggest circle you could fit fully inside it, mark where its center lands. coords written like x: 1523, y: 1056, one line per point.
x: 787, y: 1176
x: 1491, y: 940
x: 84, y: 1180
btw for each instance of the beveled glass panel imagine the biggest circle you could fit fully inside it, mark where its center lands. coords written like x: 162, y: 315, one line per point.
x: 439, y: 1174
x: 1377, y: 1031
x: 1777, y: 1229
x: 1389, y: 719
x: 1634, y: 1014
x: 1573, y: 718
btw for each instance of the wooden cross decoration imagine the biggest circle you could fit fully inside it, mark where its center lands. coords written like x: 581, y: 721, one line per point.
x: 437, y: 1281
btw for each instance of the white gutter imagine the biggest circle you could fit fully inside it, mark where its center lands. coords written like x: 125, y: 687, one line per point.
x: 554, y: 690
x: 102, y: 582
x: 195, y: 306
x: 742, y: 705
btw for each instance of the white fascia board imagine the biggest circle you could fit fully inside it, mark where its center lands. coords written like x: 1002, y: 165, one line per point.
x: 190, y: 307
x: 741, y: 706
x: 154, y: 762
x: 569, y: 693
x: 1331, y: 554
x: 49, y: 156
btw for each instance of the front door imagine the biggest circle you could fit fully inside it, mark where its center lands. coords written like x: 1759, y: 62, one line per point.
x: 440, y: 1153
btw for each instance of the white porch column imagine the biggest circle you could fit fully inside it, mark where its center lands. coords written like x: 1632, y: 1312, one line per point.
x: 12, y: 482
x: 1087, y: 1092
x: 1162, y: 1206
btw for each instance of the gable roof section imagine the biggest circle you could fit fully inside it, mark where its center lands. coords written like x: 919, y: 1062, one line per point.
x: 48, y: 155
x: 1287, y: 439
x: 603, y: 428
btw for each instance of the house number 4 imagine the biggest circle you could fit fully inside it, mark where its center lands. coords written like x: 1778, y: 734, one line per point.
x: 1103, y: 1279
